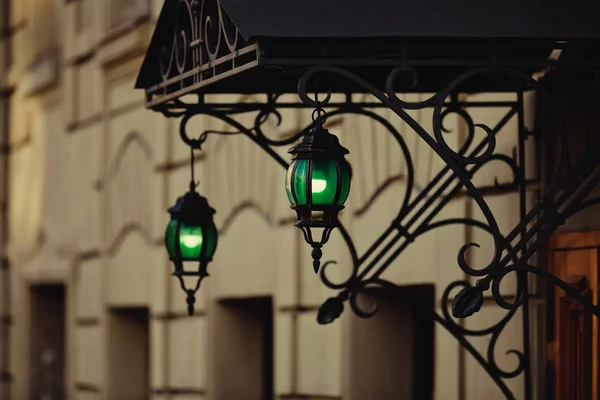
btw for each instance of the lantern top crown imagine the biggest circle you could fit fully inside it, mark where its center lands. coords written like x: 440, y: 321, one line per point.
x: 319, y: 143
x: 192, y: 208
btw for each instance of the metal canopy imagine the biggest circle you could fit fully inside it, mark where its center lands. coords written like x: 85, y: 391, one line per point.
x: 553, y: 19
x: 266, y: 46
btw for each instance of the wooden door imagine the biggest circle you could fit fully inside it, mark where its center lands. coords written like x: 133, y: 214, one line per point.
x: 572, y: 335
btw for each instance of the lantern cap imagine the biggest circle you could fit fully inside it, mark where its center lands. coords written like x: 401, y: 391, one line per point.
x: 191, y: 208
x: 318, y: 143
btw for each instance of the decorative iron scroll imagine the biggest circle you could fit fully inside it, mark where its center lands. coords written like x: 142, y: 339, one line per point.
x: 567, y: 193
x: 201, y: 47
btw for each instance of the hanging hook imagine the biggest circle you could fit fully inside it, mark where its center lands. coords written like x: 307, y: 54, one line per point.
x: 319, y: 115
x: 193, y: 143
x: 193, y: 182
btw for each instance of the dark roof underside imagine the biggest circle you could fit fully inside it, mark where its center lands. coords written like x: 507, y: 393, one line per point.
x: 439, y: 39
x: 556, y: 19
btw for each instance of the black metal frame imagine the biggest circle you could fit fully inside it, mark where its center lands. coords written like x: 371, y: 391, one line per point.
x: 566, y: 194
x: 317, y: 144
x: 193, y: 209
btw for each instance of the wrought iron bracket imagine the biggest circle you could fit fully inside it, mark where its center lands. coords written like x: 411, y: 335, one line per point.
x: 567, y: 193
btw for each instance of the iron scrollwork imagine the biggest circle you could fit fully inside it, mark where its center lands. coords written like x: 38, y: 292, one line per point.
x: 200, y: 46
x: 567, y: 194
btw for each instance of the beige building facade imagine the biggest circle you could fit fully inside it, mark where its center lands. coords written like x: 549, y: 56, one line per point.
x: 88, y: 307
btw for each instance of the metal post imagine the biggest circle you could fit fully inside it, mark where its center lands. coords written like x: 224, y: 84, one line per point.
x: 522, y: 278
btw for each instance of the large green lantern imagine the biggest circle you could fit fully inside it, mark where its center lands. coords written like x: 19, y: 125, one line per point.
x: 191, y: 236
x: 318, y: 184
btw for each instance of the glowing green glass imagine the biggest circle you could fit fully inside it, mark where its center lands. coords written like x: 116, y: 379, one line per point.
x: 324, y: 181
x: 190, y: 241
x: 170, y: 238
x: 210, y: 240
x: 299, y: 181
x: 346, y: 179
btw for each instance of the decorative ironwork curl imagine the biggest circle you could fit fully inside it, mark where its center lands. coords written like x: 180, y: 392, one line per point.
x: 201, y: 37
x: 204, y: 46
x: 453, y: 109
x: 263, y: 116
x: 494, y: 330
x: 462, y: 165
x: 457, y: 161
x: 439, y: 147
x: 355, y: 263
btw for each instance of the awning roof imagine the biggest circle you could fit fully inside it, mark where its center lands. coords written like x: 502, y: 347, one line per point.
x: 553, y: 19
x: 265, y: 45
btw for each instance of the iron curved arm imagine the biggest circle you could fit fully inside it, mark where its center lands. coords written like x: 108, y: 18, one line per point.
x: 439, y: 147
x: 462, y: 165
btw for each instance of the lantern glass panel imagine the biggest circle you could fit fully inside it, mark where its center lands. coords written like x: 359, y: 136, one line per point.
x: 289, y: 177
x: 324, y: 181
x: 210, y: 240
x: 345, y: 168
x: 300, y: 180
x: 170, y: 238
x: 190, y: 241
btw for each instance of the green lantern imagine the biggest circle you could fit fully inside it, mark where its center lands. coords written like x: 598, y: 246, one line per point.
x: 191, y: 236
x: 317, y: 184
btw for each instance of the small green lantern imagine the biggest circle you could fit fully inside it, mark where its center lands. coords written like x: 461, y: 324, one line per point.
x: 191, y: 236
x: 318, y: 184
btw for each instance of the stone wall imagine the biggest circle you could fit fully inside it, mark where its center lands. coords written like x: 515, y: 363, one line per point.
x: 92, y: 173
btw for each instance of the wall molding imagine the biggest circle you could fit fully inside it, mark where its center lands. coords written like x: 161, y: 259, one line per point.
x: 127, y: 108
x: 178, y: 164
x: 87, y: 321
x: 9, y: 31
x: 241, y: 207
x: 88, y: 255
x: 82, y: 58
x: 172, y: 391
x: 78, y: 125
x: 129, y: 209
x: 378, y: 192
x: 6, y: 92
x: 122, y: 30
x: 87, y: 387
x: 171, y: 316
x: 43, y: 74
x: 17, y: 145
x: 34, y: 251
x: 298, y: 309
x: 124, y: 43
x: 124, y: 233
